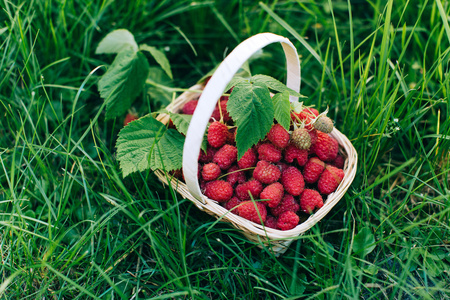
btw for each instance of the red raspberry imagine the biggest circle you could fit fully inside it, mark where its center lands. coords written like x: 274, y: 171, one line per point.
x: 208, y: 156
x: 219, y: 190
x: 333, y: 150
x: 205, y: 82
x: 223, y: 106
x: 253, y: 186
x: 292, y: 181
x: 271, y: 222
x: 253, y: 211
x: 312, y: 170
x: 288, y: 203
x: 232, y: 203
x: 178, y: 173
x: 217, y: 134
x: 274, y: 192
x: 231, y: 137
x: 210, y: 172
x: 305, y: 116
x: 216, y: 113
x: 235, y: 176
x: 278, y: 136
x: 266, y: 172
x: 225, y: 156
x: 338, y: 162
x: 129, y: 118
x: 326, y: 148
x: 248, y: 160
x: 322, y: 146
x: 189, y: 107
x: 202, y: 183
x: 170, y: 125
x: 292, y: 152
x: 310, y: 200
x: 313, y: 135
x: 282, y: 166
x: 288, y: 220
x: 269, y: 152
x: 311, y: 112
x: 329, y: 180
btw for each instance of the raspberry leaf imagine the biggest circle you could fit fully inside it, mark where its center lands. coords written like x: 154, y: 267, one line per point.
x: 274, y: 84
x: 123, y: 81
x: 116, y: 41
x: 282, y: 108
x: 235, y: 80
x: 251, y: 107
x: 147, y: 143
x: 160, y: 58
x: 181, y: 122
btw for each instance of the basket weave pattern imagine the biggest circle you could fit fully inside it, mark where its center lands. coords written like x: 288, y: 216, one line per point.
x: 277, y: 239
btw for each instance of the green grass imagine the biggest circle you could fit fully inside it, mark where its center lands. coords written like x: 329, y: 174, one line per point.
x: 71, y: 227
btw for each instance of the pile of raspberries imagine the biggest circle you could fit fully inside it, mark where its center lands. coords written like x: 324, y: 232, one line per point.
x: 285, y: 176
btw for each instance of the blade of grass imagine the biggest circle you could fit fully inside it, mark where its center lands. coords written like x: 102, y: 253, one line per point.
x: 444, y: 18
x: 295, y: 34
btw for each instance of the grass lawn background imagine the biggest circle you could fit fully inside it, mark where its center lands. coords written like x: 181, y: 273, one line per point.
x: 71, y: 227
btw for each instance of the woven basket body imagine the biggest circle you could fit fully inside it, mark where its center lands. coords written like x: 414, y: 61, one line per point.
x: 277, y: 240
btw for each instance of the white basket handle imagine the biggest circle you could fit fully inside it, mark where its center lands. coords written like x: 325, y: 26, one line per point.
x: 216, y: 87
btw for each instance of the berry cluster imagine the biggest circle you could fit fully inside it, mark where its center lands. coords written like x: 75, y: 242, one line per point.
x: 279, y: 180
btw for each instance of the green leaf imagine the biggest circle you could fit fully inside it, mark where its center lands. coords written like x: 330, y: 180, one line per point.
x: 297, y: 106
x: 147, y: 143
x: 158, y: 86
x: 251, y: 107
x: 123, y: 81
x: 275, y: 85
x: 204, y: 144
x: 235, y: 80
x: 181, y: 122
x: 282, y: 108
x: 441, y: 254
x: 364, y: 242
x: 160, y: 58
x: 116, y: 41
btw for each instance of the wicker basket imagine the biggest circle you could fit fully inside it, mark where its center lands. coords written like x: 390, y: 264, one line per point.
x: 278, y: 240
